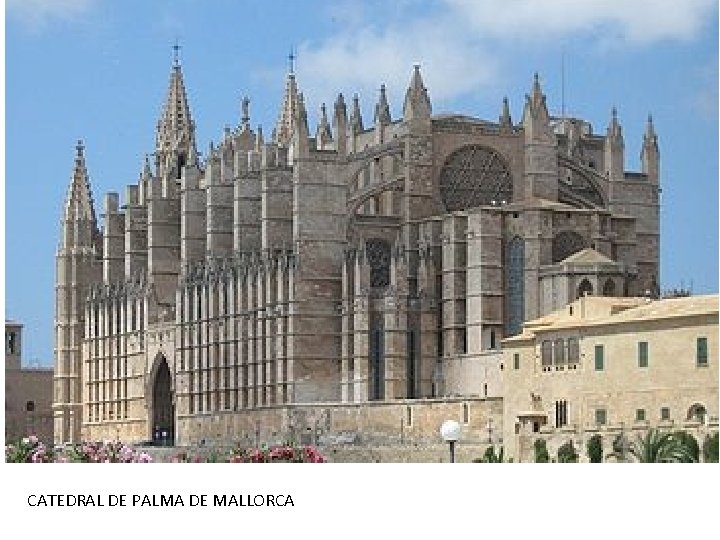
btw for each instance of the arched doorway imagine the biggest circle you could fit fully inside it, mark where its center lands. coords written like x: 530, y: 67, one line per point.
x: 585, y: 288
x: 163, y: 409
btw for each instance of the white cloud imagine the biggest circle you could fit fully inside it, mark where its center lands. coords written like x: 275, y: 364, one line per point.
x: 635, y: 21
x: 457, y: 42
x: 37, y: 13
x: 362, y: 60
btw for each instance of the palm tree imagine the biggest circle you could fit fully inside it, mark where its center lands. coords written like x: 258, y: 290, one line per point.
x: 659, y: 447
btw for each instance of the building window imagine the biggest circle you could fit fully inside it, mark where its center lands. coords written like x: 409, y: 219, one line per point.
x: 30, y: 406
x: 515, y: 285
x: 642, y: 354
x: 599, y: 357
x: 516, y: 361
x: 378, y: 257
x: 11, y: 343
x: 466, y: 413
x: 702, y: 352
x: 600, y: 417
x: 559, y: 352
x: 573, y: 346
x: 665, y: 413
x: 640, y: 415
x: 561, y: 413
x: 546, y: 353
x: 492, y: 339
x: 485, y: 389
x: 409, y: 416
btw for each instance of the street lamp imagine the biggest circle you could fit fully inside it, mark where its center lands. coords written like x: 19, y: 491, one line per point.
x: 450, y: 431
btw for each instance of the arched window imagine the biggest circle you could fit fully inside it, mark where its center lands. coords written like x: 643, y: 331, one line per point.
x: 609, y: 288
x: 697, y: 412
x: 565, y: 243
x: 559, y: 352
x: 378, y: 256
x: 585, y: 288
x: 474, y: 176
x: 515, y: 285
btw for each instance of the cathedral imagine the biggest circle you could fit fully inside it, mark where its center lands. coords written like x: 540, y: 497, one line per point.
x: 352, y: 265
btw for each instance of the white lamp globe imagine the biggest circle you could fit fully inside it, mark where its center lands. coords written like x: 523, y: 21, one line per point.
x: 450, y: 430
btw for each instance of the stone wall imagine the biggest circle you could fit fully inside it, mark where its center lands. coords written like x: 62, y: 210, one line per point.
x: 404, y: 430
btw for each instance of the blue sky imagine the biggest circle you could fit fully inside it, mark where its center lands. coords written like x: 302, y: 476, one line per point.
x: 98, y: 70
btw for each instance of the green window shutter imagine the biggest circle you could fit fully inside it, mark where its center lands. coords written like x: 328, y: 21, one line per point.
x: 640, y: 415
x: 599, y: 357
x: 665, y: 413
x: 516, y: 361
x: 600, y: 417
x: 642, y: 354
x: 702, y: 352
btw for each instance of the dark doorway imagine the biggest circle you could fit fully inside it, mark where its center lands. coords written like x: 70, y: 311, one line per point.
x: 163, y: 417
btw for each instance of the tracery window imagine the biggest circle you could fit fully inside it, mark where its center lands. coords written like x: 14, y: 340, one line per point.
x: 473, y: 176
x: 514, y: 286
x: 378, y: 255
x: 565, y: 243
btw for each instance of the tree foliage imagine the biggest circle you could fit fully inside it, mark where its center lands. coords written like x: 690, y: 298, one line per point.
x: 657, y: 446
x: 689, y: 442
x: 595, y: 449
x: 710, y: 448
x: 491, y: 457
x: 541, y: 452
x: 567, y: 454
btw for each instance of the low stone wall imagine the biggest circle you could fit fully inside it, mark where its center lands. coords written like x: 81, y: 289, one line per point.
x: 401, y: 430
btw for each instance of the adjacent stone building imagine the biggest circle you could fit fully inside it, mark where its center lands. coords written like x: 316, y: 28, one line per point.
x: 369, y: 262
x: 28, y: 392
x: 609, y: 366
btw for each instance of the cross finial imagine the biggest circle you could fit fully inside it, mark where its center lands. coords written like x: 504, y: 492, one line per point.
x: 176, y: 53
x: 291, y: 59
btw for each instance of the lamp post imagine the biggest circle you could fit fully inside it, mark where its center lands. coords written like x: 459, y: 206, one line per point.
x: 450, y: 432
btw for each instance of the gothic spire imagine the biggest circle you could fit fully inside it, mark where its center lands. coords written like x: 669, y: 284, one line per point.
x: 650, y: 136
x: 382, y: 108
x: 650, y: 154
x: 79, y: 203
x: 417, y: 101
x: 356, y: 122
x: 614, y: 130
x: 505, y: 120
x: 285, y: 124
x: 323, y: 135
x: 175, y: 129
x: 245, y: 118
x: 79, y: 208
x: 536, y: 119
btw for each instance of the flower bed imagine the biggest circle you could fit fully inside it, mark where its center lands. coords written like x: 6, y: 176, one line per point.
x: 32, y: 450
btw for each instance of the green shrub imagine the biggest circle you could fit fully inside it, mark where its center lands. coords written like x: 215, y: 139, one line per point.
x: 710, y: 448
x: 690, y: 443
x: 595, y: 449
x: 541, y: 452
x: 567, y: 454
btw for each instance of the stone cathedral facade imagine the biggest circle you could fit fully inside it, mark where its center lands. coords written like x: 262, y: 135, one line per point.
x: 354, y: 264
